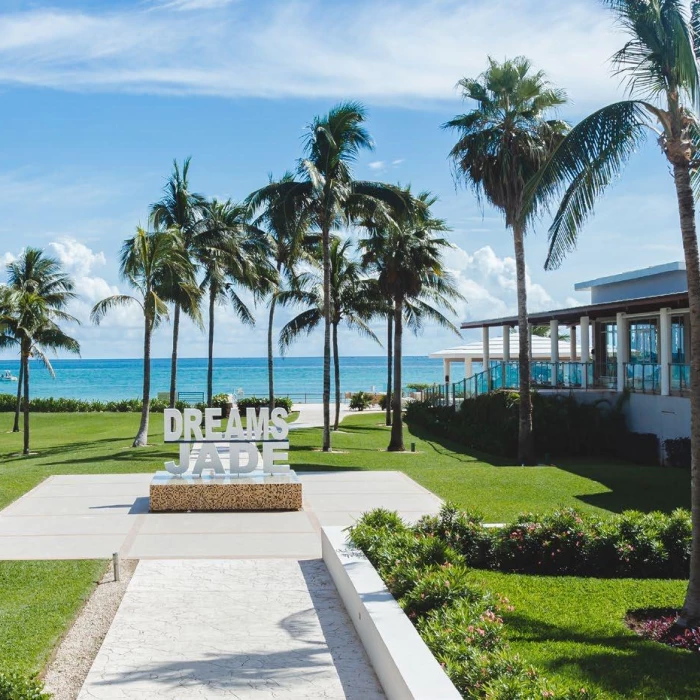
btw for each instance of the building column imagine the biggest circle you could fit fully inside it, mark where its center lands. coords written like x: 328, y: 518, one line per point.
x: 585, y: 349
x: 529, y: 332
x: 467, y: 367
x: 486, y: 355
x: 506, y: 357
x: 665, y: 350
x: 572, y: 343
x: 554, y: 349
x: 622, y: 350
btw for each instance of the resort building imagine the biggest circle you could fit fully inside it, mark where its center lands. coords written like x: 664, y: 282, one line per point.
x: 633, y: 336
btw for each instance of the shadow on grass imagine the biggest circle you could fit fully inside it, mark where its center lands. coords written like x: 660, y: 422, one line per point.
x: 621, y: 663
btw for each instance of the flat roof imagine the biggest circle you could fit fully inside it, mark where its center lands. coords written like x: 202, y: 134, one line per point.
x: 678, y: 300
x: 631, y: 275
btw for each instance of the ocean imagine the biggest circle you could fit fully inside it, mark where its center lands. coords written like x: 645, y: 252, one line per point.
x: 298, y: 377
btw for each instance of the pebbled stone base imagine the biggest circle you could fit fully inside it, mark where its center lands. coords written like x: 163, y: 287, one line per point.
x: 255, y: 491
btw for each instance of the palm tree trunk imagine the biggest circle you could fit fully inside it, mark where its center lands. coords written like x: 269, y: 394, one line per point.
x: 336, y: 367
x: 690, y: 614
x: 18, y: 405
x: 326, y: 339
x: 210, y: 353
x: 389, y: 357
x: 270, y: 355
x: 25, y: 361
x: 525, y: 442
x: 173, y: 361
x: 396, y: 442
x: 141, y: 439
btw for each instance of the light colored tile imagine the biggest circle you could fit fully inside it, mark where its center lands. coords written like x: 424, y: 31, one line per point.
x: 74, y: 505
x: 81, y: 479
x: 60, y: 547
x: 241, y: 523
x: 294, y: 545
x: 106, y: 489
x: 368, y: 501
x: 65, y: 525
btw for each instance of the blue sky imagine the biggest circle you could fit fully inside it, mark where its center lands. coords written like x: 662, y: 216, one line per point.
x: 99, y: 97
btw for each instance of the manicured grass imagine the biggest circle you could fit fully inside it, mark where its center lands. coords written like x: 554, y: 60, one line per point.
x: 100, y: 443
x: 573, y: 630
x: 38, y: 601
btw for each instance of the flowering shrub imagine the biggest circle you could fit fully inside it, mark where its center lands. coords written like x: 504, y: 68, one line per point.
x: 659, y: 626
x: 424, y: 567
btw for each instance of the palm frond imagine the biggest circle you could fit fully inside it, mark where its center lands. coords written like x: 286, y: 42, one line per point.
x: 116, y: 301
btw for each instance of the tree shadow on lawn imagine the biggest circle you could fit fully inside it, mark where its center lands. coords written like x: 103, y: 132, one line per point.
x: 632, y: 486
x: 624, y: 664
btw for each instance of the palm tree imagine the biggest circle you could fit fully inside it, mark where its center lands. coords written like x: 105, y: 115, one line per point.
x: 502, y: 143
x: 287, y: 227
x: 178, y: 210
x: 407, y: 257
x: 327, y: 190
x: 351, y: 302
x: 34, y: 302
x: 659, y: 62
x: 149, y: 263
x: 232, y: 253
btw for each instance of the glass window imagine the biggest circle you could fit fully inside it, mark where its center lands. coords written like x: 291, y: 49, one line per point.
x: 678, y: 335
x: 644, y: 341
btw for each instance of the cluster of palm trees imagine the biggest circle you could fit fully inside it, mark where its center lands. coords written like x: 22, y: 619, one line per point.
x: 32, y: 304
x: 348, y: 251
x: 514, y: 153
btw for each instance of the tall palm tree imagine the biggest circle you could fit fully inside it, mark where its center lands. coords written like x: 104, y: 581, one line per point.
x: 149, y: 263
x: 38, y: 292
x: 178, y: 210
x: 287, y: 227
x: 351, y: 302
x: 502, y: 144
x: 659, y: 63
x: 232, y: 254
x: 407, y: 256
x: 327, y: 190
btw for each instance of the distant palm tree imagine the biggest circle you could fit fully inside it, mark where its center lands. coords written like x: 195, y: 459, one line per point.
x: 232, y: 254
x: 502, y: 144
x: 149, y: 262
x: 34, y: 302
x: 287, y: 227
x: 407, y: 257
x: 333, y: 198
x: 659, y: 62
x: 179, y: 210
x: 351, y: 303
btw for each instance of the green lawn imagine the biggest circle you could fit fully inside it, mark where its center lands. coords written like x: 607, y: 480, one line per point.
x: 573, y: 630
x: 38, y: 601
x: 570, y: 628
x: 94, y: 443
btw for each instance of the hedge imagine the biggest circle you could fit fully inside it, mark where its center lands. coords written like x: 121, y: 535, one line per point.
x: 257, y: 403
x: 562, y: 427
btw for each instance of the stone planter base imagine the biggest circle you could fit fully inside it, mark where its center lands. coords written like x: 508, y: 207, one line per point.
x: 254, y: 491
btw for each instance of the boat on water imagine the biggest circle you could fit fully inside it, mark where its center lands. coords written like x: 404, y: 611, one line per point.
x: 7, y: 376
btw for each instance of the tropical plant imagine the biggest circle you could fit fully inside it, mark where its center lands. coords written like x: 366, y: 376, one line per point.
x: 287, y: 227
x: 502, y: 144
x: 149, y: 262
x: 32, y: 305
x: 659, y: 63
x: 351, y: 303
x: 330, y: 195
x: 407, y: 257
x: 231, y: 252
x: 179, y: 210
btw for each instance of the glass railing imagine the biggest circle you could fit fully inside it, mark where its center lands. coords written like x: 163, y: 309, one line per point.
x: 643, y: 377
x: 680, y: 379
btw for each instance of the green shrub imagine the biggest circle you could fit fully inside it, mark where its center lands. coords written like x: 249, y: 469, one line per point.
x: 678, y: 452
x: 361, y: 401
x: 418, y: 386
x: 381, y: 401
x: 158, y: 406
x: 257, y: 403
x: 438, y: 586
x: 14, y: 686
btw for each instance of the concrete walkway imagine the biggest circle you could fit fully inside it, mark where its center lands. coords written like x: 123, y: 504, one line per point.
x: 231, y: 629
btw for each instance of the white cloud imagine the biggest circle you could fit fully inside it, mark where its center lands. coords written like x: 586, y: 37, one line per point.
x: 194, y: 4
x: 409, y: 52
x: 376, y: 164
x: 76, y: 257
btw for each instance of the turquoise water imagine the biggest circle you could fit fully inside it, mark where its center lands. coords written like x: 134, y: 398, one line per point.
x: 294, y: 376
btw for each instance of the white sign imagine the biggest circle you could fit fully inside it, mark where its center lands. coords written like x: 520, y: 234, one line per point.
x: 206, y: 429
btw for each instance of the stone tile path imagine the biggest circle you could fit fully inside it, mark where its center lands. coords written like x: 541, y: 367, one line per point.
x: 231, y: 629
x: 92, y: 516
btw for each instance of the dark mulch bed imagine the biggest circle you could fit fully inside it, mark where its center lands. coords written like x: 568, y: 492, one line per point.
x: 658, y: 624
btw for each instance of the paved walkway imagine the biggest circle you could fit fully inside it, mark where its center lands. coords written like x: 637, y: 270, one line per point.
x: 311, y: 414
x: 231, y: 629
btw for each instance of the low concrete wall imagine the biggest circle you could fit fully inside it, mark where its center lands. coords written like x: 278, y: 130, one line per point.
x: 403, y: 663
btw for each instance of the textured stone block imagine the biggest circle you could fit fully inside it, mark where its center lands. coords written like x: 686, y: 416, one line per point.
x: 254, y: 491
